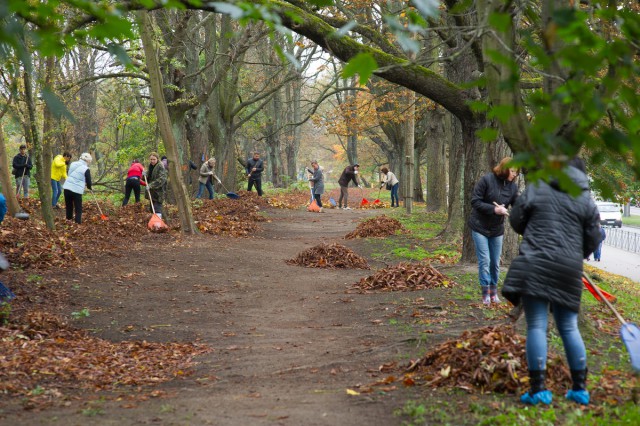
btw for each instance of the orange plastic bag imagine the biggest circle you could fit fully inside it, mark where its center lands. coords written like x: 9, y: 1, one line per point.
x: 313, y: 207
x: 156, y: 224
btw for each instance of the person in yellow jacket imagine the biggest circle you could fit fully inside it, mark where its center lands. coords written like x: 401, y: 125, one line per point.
x: 58, y: 172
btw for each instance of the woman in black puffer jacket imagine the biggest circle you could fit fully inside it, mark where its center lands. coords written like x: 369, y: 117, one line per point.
x: 559, y: 231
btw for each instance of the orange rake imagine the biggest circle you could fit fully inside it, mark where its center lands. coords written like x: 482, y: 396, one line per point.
x: 102, y: 216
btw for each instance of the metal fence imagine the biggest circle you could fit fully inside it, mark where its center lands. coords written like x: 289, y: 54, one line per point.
x: 624, y: 240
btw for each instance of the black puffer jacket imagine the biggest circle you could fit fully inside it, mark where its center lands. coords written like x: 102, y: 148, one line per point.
x: 490, y: 188
x: 559, y: 232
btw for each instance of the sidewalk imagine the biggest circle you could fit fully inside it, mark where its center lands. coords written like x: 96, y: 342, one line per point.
x: 618, y: 262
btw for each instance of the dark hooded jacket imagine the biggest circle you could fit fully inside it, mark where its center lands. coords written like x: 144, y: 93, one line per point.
x: 348, y: 174
x: 558, y: 231
x: 489, y: 189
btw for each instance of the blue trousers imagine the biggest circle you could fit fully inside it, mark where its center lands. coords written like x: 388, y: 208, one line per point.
x: 394, y: 194
x: 56, y: 191
x: 209, y: 187
x: 488, y: 251
x: 536, y: 312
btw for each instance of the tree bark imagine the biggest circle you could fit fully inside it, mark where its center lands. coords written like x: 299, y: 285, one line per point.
x: 164, y: 125
x: 5, y: 175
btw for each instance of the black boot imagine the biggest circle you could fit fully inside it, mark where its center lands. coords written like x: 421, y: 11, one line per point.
x: 536, y: 380
x: 538, y: 393
x: 578, y: 392
x: 579, y: 379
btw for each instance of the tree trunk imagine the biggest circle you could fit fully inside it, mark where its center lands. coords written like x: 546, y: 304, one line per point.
x: 410, y: 131
x: 5, y: 175
x: 36, y: 151
x: 435, y: 134
x: 164, y: 125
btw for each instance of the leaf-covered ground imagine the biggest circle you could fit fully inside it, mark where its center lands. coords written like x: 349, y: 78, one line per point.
x: 215, y: 329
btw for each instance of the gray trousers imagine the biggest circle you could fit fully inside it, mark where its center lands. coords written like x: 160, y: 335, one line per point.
x: 344, y: 194
x: 23, y: 182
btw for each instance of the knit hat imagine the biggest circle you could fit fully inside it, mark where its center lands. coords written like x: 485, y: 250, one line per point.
x: 85, y: 156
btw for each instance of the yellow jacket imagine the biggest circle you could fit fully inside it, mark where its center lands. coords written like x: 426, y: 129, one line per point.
x: 58, y: 168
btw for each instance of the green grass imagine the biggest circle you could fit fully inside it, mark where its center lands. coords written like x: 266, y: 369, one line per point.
x: 631, y: 221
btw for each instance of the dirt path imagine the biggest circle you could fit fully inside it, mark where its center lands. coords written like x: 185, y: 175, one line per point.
x: 288, y: 341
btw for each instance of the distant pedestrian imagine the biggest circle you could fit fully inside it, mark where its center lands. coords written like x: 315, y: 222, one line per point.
x: 58, y: 172
x: 133, y: 182
x: 491, y: 197
x: 318, y: 182
x: 78, y: 178
x: 349, y: 174
x: 207, y: 175
x: 558, y: 231
x: 254, y: 173
x: 393, y: 184
x: 156, y: 183
x: 22, y: 170
x: 598, y: 251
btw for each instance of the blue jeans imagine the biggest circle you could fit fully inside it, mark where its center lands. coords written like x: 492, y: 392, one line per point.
x: 394, y: 194
x: 56, y: 191
x: 597, y: 252
x: 488, y: 251
x: 535, y: 312
x: 209, y: 187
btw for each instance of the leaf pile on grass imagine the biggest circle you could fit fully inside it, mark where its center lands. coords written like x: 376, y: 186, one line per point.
x: 489, y: 359
x: 291, y: 199
x: 236, y: 218
x: 404, y: 276
x: 379, y: 226
x: 329, y: 256
x: 45, y: 352
x: 30, y: 244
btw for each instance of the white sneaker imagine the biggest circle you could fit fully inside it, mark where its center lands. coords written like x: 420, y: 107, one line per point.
x: 347, y: 208
x: 321, y: 211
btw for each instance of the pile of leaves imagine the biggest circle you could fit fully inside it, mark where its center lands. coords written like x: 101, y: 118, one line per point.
x: 291, y: 199
x: 405, y: 276
x: 43, y: 351
x: 379, y: 226
x: 236, y: 218
x: 329, y: 256
x: 489, y: 359
x: 30, y: 244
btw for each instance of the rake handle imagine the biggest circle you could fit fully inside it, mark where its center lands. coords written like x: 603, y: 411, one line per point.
x: 96, y: 200
x: 150, y: 198
x: 609, y: 305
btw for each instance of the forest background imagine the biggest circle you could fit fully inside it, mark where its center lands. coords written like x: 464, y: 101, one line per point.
x: 438, y: 91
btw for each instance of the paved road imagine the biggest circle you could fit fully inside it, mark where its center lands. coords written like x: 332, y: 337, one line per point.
x: 619, y: 262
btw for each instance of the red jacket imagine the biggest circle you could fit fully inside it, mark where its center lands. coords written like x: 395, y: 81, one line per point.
x: 135, y: 171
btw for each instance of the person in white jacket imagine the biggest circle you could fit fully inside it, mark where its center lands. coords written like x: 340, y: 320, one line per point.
x: 78, y: 177
x: 393, y: 184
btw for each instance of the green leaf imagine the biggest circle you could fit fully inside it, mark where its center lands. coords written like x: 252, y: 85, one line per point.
x: 487, y: 134
x: 58, y: 109
x: 321, y: 3
x: 120, y: 53
x: 500, y: 21
x: 362, y: 64
x: 427, y: 8
x: 228, y: 9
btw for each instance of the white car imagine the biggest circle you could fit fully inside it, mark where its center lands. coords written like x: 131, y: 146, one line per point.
x: 610, y: 214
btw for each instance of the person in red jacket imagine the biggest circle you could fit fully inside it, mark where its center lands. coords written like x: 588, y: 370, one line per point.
x: 134, y: 175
